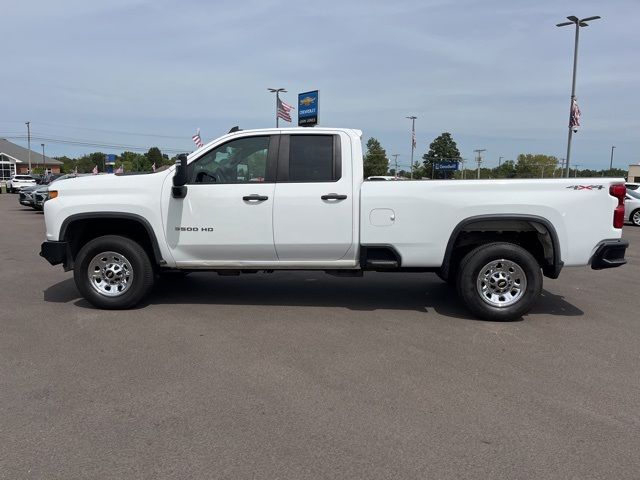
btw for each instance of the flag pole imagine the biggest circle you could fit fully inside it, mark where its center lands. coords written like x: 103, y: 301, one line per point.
x: 573, y: 96
x: 277, y: 92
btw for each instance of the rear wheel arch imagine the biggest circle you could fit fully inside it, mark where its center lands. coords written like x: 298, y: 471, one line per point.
x: 534, y: 233
x: 81, y: 228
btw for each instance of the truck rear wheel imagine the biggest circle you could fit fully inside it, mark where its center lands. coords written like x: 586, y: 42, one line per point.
x: 499, y: 281
x: 113, y: 272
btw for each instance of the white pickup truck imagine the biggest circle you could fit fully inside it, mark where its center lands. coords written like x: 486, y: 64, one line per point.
x: 275, y: 199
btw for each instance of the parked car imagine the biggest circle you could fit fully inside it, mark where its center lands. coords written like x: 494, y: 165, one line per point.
x: 18, y: 181
x: 25, y: 196
x: 632, y: 207
x: 40, y: 195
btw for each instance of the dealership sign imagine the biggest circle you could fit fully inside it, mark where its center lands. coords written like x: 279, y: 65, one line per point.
x: 308, y: 109
x: 446, y: 166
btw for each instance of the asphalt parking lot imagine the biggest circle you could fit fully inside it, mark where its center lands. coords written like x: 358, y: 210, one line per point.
x: 303, y: 375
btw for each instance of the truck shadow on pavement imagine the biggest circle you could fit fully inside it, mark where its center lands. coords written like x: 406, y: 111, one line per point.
x: 412, y: 292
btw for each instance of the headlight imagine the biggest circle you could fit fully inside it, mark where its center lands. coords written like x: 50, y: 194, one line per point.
x: 53, y: 194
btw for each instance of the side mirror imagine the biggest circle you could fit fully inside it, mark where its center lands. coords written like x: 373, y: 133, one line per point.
x: 179, y: 189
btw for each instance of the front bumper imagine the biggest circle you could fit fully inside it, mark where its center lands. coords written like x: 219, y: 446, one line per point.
x: 609, y: 254
x: 55, y: 252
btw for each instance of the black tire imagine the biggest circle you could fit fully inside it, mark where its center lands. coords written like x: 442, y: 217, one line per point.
x: 143, y: 275
x: 635, y: 219
x: 469, y: 274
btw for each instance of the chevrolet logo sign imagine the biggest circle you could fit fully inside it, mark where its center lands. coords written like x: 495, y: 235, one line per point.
x: 306, y: 101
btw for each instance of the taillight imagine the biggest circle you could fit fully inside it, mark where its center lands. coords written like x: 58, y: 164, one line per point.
x: 619, y: 191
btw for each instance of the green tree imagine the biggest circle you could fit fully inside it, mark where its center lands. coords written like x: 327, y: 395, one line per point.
x: 154, y: 156
x: 443, y: 147
x: 535, y: 165
x: 375, y: 160
x: 506, y: 170
x: 132, y: 162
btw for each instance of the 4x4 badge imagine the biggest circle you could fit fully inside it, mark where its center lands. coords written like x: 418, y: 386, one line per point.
x: 586, y: 187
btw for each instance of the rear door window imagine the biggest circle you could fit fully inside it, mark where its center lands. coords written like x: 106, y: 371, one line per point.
x: 311, y: 159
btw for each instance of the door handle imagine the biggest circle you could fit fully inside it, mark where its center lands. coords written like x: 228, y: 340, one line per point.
x: 255, y: 198
x: 333, y: 196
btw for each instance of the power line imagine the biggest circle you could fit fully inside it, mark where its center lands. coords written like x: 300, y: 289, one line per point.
x: 90, y: 143
x: 138, y: 134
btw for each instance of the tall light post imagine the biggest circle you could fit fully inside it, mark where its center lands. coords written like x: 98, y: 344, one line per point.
x: 413, y: 139
x: 44, y: 165
x: 277, y: 92
x: 28, y: 124
x: 479, y: 158
x: 573, y: 20
x: 611, y: 161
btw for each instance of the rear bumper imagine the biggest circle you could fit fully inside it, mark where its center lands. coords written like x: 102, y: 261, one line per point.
x: 609, y: 254
x: 55, y: 252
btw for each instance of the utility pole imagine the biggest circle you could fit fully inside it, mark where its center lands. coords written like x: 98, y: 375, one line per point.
x: 462, y: 160
x: 575, y: 171
x: 611, y: 161
x: 413, y: 139
x: 395, y: 162
x: 479, y: 159
x: 573, y: 20
x: 500, y: 161
x: 277, y: 92
x: 28, y: 124
x: 44, y: 165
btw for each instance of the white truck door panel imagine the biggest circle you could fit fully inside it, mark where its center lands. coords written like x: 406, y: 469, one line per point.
x: 226, y: 217
x: 313, y: 208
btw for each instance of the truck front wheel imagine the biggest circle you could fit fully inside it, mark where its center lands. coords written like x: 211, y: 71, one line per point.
x: 113, y: 272
x: 499, y: 281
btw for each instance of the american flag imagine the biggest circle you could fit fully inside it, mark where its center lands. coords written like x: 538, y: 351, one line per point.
x: 197, y: 140
x: 120, y: 169
x: 574, y: 119
x: 283, y: 110
x: 95, y: 170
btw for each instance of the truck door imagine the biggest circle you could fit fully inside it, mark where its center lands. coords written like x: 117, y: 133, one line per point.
x: 313, y: 209
x: 226, y: 217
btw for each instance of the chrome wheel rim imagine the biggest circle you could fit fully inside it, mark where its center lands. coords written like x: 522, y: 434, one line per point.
x: 636, y: 218
x: 501, y: 283
x: 110, y: 274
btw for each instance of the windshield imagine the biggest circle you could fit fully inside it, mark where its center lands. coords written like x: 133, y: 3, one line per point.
x: 634, y: 194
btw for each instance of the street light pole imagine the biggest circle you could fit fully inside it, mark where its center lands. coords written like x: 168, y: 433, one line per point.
x: 44, y: 165
x: 28, y: 124
x: 277, y: 92
x: 413, y: 139
x: 573, y: 20
x: 479, y: 159
x: 611, y: 161
x: 395, y: 160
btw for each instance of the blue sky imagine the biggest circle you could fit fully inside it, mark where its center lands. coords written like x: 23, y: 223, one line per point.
x: 496, y: 74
